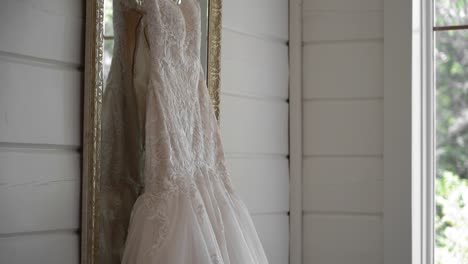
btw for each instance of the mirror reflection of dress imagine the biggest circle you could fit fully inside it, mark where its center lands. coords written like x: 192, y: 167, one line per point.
x: 162, y: 147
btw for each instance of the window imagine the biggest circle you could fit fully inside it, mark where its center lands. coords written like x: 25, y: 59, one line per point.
x: 108, y: 38
x: 450, y: 86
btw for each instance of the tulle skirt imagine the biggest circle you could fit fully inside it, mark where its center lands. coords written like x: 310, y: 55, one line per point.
x: 204, y: 223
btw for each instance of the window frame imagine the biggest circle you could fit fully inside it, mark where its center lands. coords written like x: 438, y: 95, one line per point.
x: 428, y: 117
x: 423, y: 138
x: 423, y: 130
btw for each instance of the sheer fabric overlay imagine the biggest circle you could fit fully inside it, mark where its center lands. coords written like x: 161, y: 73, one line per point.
x: 162, y: 154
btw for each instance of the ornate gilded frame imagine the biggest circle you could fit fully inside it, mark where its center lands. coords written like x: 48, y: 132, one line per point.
x: 93, y: 91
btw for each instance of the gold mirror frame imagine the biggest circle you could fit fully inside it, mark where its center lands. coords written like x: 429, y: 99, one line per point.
x: 93, y: 91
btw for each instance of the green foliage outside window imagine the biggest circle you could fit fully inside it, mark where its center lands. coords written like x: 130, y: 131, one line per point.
x: 451, y: 82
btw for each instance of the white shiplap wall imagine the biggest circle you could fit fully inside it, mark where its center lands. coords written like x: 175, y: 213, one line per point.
x: 254, y: 114
x: 342, y: 131
x: 40, y: 134
x: 40, y: 97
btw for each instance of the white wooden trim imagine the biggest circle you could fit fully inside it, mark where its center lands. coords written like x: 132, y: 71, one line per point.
x: 397, y: 223
x: 429, y: 117
x: 295, y: 130
x: 417, y: 129
x: 423, y: 134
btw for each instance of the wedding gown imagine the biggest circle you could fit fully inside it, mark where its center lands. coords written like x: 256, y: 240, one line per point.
x: 162, y: 152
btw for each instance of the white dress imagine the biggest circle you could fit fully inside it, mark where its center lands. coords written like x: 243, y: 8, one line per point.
x: 185, y: 210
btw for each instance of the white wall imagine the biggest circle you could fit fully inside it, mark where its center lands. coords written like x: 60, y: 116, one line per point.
x: 254, y: 114
x: 40, y: 134
x: 343, y: 131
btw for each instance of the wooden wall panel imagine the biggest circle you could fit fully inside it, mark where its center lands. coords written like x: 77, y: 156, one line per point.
x: 343, y: 127
x: 47, y: 29
x: 342, y: 5
x: 247, y: 63
x: 338, y: 184
x: 336, y: 26
x: 343, y: 70
x: 264, y: 18
x: 331, y: 239
x: 39, y: 190
x: 39, y: 104
x: 273, y: 231
x: 50, y: 248
x: 261, y: 182
x: 343, y: 131
x: 254, y: 126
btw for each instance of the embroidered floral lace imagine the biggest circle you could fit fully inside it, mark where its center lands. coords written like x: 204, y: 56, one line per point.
x: 162, y: 154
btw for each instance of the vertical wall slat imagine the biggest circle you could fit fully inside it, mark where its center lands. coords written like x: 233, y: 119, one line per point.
x: 295, y: 131
x: 343, y: 133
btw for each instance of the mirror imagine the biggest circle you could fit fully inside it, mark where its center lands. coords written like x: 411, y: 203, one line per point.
x: 106, y: 210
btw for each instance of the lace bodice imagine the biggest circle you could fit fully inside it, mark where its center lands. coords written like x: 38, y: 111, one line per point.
x: 181, y: 135
x: 177, y: 27
x: 160, y: 134
x: 177, y: 135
